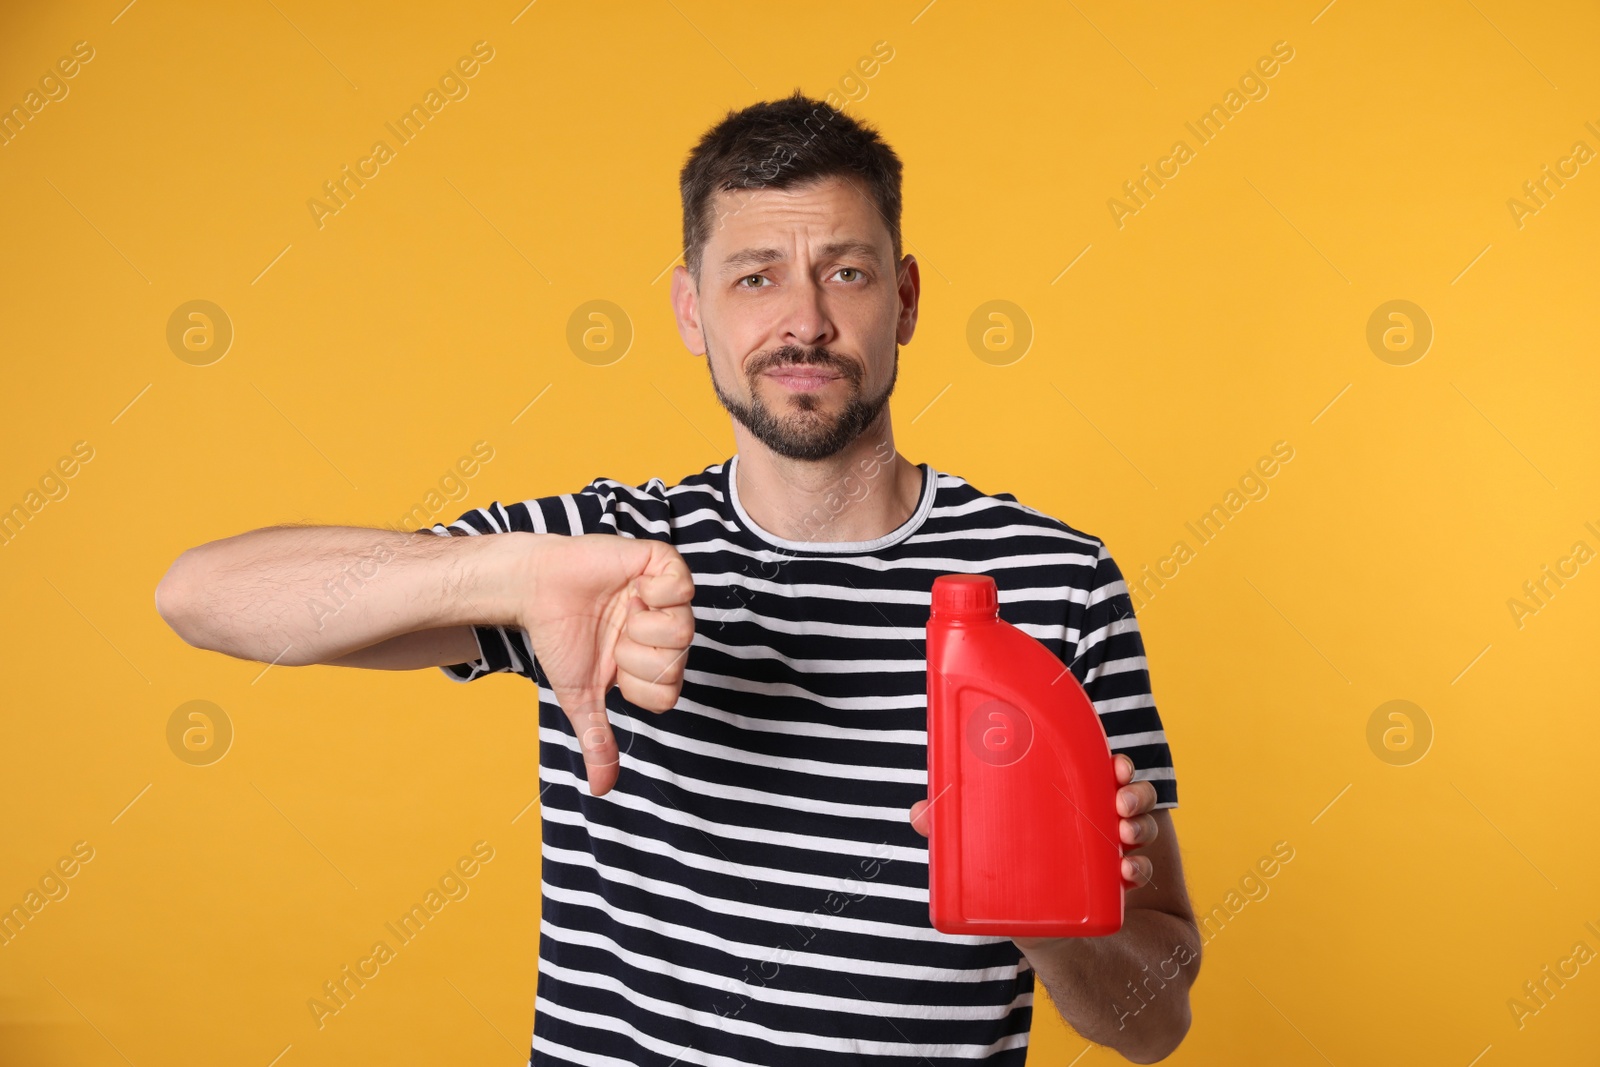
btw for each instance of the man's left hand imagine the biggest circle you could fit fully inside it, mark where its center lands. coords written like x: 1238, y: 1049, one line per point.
x: 1137, y: 828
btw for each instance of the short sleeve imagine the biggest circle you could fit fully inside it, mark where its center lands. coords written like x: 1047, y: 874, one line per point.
x: 505, y: 649
x: 501, y: 649
x: 1109, y: 661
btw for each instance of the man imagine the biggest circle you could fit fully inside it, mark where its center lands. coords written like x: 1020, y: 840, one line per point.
x: 731, y: 670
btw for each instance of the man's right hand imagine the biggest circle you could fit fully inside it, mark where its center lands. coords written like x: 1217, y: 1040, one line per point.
x: 605, y: 610
x: 599, y: 609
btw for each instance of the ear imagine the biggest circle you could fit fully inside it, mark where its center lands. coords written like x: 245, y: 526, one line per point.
x: 908, y: 281
x: 686, y: 307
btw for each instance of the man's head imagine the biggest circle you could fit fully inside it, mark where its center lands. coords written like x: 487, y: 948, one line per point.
x: 795, y: 287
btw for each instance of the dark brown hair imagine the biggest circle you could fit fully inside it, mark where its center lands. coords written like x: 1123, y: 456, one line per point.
x: 777, y: 145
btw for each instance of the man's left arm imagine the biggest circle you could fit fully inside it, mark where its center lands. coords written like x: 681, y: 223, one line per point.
x: 1130, y: 990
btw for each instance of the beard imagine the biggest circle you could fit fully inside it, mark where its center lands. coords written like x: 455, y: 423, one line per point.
x: 805, y: 431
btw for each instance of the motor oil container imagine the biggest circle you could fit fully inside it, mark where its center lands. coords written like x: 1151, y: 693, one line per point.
x: 1023, y: 828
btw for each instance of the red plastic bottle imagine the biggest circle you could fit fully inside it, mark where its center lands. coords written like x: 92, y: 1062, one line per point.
x: 1023, y: 835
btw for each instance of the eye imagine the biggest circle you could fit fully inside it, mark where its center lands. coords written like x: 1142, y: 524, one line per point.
x: 849, y: 270
x: 748, y: 277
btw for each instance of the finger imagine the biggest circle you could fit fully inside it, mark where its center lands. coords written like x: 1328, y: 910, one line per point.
x: 1136, y: 833
x: 1137, y: 870
x: 1124, y: 768
x: 651, y: 696
x: 1136, y: 799
x: 587, y: 712
x: 667, y: 628
x: 648, y: 662
x: 671, y: 587
x: 919, y: 818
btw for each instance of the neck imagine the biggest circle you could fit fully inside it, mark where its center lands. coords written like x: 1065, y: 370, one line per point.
x: 864, y: 492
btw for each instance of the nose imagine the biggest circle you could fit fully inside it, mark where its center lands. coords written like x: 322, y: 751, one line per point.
x: 805, y: 320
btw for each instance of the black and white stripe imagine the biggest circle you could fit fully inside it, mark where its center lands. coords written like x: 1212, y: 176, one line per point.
x: 751, y: 892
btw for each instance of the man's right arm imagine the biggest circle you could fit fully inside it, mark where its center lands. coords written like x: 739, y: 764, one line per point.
x: 299, y: 595
x: 599, y: 610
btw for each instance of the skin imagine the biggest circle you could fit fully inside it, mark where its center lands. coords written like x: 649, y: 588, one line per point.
x: 826, y: 295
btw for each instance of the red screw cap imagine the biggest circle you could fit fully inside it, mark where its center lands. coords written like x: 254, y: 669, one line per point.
x: 967, y: 595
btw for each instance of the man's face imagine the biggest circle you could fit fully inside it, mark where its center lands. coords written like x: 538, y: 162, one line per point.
x: 800, y: 312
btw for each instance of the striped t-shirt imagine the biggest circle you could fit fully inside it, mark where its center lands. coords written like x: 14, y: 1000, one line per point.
x: 750, y: 891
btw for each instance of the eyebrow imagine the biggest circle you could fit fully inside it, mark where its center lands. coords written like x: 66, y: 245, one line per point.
x: 760, y: 257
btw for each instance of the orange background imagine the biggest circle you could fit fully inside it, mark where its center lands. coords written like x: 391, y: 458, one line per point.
x: 432, y: 312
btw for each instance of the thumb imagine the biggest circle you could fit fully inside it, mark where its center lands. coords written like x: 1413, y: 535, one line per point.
x: 586, y: 710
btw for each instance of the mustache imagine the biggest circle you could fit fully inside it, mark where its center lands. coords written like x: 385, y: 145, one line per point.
x: 796, y: 356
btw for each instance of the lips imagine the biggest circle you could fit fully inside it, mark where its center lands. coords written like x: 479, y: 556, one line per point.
x: 802, y: 376
x: 802, y: 372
